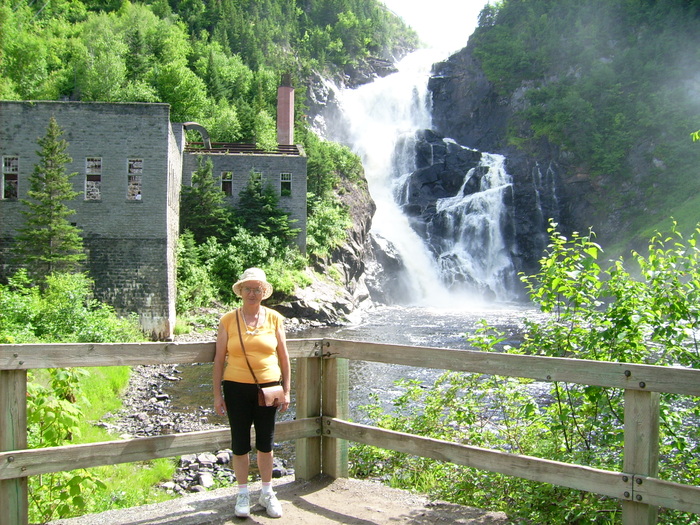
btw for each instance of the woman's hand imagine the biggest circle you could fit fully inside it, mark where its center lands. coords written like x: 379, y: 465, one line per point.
x: 220, y: 405
x: 285, y: 404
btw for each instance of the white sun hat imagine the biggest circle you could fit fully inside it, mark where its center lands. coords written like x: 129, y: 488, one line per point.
x: 253, y: 274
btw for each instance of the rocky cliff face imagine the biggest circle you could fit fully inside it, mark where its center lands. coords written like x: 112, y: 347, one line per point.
x: 467, y: 109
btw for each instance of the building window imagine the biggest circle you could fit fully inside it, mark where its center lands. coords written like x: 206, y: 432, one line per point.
x: 10, y: 178
x: 286, y: 184
x: 93, y: 178
x: 227, y: 183
x: 134, y: 174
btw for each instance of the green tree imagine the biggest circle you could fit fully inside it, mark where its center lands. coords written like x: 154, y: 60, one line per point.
x: 203, y: 205
x: 48, y: 243
x: 259, y: 213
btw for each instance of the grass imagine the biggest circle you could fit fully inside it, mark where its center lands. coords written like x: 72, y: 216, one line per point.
x: 127, y: 484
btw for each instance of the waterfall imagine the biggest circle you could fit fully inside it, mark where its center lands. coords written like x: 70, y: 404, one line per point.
x: 474, y: 251
x: 463, y: 252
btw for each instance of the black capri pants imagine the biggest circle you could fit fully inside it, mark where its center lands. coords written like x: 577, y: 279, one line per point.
x: 243, y: 412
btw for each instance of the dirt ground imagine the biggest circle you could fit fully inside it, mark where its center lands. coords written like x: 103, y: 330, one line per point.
x: 319, y: 501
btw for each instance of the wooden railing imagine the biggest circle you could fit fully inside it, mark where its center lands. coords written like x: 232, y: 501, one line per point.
x: 322, y: 429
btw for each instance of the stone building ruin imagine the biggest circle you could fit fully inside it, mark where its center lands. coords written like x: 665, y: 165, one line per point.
x: 131, y: 163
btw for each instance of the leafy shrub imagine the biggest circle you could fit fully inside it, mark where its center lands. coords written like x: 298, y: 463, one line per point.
x: 326, y: 227
x: 594, y: 313
x: 64, y: 311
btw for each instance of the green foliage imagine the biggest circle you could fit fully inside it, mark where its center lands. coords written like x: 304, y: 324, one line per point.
x: 62, y: 311
x: 605, y: 81
x: 593, y: 313
x: 196, y: 56
x: 194, y: 284
x: 205, y: 210
x: 48, y: 242
x: 225, y: 262
x: 53, y: 419
x: 330, y: 163
x: 258, y: 212
x: 326, y: 229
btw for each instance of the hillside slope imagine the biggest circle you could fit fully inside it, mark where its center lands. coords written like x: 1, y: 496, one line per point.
x: 603, y: 92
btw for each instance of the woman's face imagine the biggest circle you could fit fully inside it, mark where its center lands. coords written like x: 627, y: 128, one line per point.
x: 251, y: 292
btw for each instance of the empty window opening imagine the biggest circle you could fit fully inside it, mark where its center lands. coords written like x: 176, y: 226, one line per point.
x: 227, y: 183
x: 93, y: 178
x: 134, y: 179
x: 286, y: 184
x: 10, y: 178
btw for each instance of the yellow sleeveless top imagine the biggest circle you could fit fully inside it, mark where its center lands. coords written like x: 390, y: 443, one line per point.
x: 260, y: 347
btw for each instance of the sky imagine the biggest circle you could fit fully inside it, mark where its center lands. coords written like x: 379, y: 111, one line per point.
x: 444, y: 24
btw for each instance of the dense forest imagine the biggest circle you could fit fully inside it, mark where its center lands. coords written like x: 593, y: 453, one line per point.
x: 614, y: 86
x: 215, y: 62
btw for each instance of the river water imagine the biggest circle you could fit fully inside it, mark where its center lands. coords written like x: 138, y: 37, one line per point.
x: 403, y: 325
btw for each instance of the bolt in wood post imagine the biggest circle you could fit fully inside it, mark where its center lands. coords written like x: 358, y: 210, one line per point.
x: 335, y: 404
x: 641, y: 453
x: 14, y: 501
x: 308, y: 404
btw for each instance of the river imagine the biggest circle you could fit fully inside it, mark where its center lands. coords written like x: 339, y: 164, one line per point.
x: 404, y: 325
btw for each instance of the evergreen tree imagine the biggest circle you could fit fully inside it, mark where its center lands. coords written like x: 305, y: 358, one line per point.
x: 203, y: 209
x: 259, y: 213
x: 48, y: 243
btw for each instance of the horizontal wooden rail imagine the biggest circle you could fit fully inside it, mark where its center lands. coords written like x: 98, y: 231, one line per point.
x: 618, y: 485
x: 322, y: 429
x: 66, y: 355
x: 599, y: 373
x: 31, y: 462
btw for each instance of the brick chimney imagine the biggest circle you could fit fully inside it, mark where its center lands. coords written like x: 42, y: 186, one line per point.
x: 285, y: 112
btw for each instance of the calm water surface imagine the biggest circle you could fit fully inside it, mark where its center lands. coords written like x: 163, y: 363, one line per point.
x: 417, y: 326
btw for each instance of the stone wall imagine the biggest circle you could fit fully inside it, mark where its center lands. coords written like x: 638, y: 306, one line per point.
x: 270, y: 167
x: 124, y: 156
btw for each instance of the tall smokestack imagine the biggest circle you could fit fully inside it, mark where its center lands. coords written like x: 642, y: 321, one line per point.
x: 285, y: 112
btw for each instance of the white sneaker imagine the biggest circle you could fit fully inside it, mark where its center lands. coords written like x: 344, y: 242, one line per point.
x: 242, y: 505
x: 272, y: 505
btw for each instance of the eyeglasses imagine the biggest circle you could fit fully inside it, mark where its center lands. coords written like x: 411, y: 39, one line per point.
x: 256, y: 291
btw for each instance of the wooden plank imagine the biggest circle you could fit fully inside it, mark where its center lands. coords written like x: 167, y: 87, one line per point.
x: 536, y: 469
x: 14, y: 502
x: 308, y: 405
x: 641, y: 451
x: 66, y: 355
x: 31, y: 462
x: 651, y: 378
x: 335, y: 403
x: 668, y: 494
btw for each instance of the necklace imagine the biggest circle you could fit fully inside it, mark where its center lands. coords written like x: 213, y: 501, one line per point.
x: 257, y: 329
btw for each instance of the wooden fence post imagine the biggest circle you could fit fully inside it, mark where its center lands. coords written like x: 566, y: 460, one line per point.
x: 335, y: 404
x: 641, y: 452
x: 14, y: 500
x: 308, y: 404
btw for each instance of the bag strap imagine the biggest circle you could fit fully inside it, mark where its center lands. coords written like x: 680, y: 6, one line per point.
x: 240, y: 337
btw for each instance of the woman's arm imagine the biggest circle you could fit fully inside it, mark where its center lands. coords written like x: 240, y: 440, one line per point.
x: 283, y: 356
x: 218, y: 374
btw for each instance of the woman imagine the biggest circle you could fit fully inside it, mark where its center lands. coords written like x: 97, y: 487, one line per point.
x: 264, y: 354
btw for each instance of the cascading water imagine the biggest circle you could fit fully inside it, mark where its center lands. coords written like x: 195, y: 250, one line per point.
x: 469, y: 254
x: 475, y: 252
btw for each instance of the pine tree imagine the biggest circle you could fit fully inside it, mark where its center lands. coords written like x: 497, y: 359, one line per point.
x: 258, y: 212
x: 48, y: 243
x: 203, y: 208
